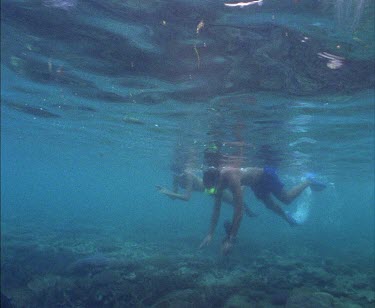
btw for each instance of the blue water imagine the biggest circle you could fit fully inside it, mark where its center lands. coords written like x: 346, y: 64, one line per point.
x: 96, y: 97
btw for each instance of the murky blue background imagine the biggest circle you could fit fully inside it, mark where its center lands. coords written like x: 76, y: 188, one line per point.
x: 96, y: 95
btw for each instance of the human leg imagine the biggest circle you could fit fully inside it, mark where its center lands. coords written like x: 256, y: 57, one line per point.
x: 288, y: 196
x: 270, y: 204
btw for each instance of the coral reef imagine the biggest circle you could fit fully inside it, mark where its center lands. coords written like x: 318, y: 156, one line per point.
x: 43, y: 274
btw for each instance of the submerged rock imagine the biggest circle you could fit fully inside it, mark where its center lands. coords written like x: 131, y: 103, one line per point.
x: 90, y: 263
x: 109, y: 267
x: 41, y: 283
x: 106, y: 277
x: 238, y: 301
x: 5, y: 302
x: 368, y: 295
x: 347, y: 305
x: 280, y: 298
x: 310, y: 299
x: 180, y: 298
x: 108, y: 248
x: 318, y: 275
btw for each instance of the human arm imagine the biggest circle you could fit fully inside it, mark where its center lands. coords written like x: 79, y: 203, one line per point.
x: 214, y: 219
x: 228, y: 198
x: 238, y: 207
x: 237, y: 215
x: 273, y: 206
x: 249, y: 212
x: 173, y: 195
x: 175, y: 184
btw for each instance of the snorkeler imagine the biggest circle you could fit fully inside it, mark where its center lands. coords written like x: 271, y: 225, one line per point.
x: 264, y: 182
x: 190, y: 182
x: 185, y: 175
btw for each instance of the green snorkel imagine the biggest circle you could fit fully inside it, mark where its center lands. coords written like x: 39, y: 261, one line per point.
x: 213, y: 147
x: 211, y: 191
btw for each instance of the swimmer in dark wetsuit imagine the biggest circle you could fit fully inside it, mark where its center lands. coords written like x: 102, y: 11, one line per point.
x: 264, y: 182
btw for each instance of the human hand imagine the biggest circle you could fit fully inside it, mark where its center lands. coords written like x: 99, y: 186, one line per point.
x: 207, y: 240
x: 226, y: 247
x: 249, y: 212
x: 158, y: 187
x: 161, y: 189
x: 165, y: 191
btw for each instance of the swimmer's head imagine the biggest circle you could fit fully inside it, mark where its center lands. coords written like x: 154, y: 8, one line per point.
x: 212, y: 158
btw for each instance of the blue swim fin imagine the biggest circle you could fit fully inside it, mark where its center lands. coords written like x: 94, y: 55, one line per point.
x: 291, y: 220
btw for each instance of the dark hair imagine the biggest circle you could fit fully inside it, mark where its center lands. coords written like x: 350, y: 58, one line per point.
x: 212, y: 158
x: 211, y: 177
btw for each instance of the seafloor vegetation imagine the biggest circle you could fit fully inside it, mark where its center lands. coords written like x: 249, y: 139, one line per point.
x: 89, y: 267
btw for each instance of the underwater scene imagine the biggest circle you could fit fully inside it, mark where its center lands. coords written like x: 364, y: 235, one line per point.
x: 186, y: 153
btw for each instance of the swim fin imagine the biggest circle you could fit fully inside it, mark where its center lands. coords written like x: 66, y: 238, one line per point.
x: 291, y: 220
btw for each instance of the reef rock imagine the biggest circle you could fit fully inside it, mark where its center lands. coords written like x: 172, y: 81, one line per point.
x: 308, y: 299
x: 238, y: 301
x: 90, y: 263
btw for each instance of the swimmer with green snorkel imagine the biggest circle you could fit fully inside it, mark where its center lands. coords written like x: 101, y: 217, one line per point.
x: 264, y: 182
